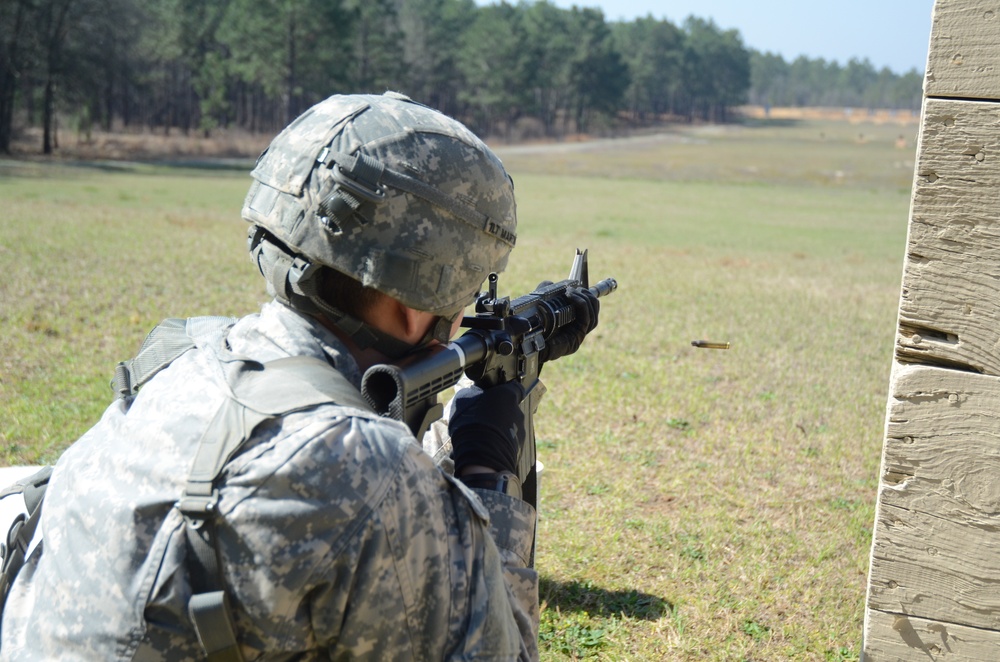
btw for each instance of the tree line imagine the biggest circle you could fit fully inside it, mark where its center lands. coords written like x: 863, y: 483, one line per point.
x: 196, y: 65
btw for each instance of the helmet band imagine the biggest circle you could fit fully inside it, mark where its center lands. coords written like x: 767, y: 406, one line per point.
x: 367, y: 176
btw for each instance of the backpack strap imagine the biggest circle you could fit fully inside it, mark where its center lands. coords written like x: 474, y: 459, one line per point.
x: 161, y: 347
x: 15, y: 550
x: 260, y: 392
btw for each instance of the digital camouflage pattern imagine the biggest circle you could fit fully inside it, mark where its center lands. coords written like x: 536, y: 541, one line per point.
x: 425, y: 216
x: 339, y: 537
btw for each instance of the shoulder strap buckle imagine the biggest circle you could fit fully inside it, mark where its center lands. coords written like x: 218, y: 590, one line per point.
x: 197, y: 508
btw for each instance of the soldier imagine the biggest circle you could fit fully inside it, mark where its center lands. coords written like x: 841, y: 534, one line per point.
x: 330, y: 532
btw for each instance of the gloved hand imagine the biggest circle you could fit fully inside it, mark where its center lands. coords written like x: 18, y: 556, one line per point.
x: 487, y: 427
x: 586, y: 308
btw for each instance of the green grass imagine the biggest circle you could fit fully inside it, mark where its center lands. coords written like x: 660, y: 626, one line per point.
x: 91, y: 261
x: 696, y: 504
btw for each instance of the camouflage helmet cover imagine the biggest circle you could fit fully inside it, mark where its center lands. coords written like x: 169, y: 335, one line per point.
x: 394, y: 194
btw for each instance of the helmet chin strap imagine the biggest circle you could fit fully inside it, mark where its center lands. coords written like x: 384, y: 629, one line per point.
x: 293, y: 279
x: 363, y: 334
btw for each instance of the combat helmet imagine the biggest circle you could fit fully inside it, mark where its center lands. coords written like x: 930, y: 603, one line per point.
x: 391, y: 193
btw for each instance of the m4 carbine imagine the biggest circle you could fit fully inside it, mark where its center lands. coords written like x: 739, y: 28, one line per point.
x: 502, y: 345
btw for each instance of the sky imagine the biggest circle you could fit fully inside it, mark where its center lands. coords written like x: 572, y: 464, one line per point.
x: 890, y: 33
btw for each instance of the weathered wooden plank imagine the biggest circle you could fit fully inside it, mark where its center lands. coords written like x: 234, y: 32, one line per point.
x: 932, y: 567
x: 962, y: 53
x: 950, y: 304
x: 937, y: 528
x: 893, y: 637
x: 934, y: 580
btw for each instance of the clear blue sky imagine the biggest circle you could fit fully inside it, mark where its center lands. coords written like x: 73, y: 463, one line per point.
x: 890, y: 33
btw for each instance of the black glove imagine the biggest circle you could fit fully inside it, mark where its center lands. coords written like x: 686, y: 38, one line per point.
x: 586, y: 308
x: 487, y: 427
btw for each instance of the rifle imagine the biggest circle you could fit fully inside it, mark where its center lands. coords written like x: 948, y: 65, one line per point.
x: 502, y: 345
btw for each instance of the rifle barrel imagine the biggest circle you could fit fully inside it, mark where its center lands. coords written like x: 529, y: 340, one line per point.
x: 605, y: 287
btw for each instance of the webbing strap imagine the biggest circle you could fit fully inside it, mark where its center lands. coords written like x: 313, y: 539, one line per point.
x: 213, y: 621
x: 281, y: 387
x: 318, y: 382
x: 19, y: 536
x: 34, y: 488
x: 259, y: 393
x: 208, y: 607
x: 161, y: 347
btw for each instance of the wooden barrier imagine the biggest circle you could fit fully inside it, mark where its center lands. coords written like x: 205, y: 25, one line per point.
x: 934, y: 583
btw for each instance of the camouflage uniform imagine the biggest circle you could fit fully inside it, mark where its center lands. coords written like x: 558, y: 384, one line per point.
x: 340, y: 538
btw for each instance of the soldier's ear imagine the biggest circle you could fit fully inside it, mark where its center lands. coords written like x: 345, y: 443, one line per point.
x: 417, y: 323
x: 407, y: 324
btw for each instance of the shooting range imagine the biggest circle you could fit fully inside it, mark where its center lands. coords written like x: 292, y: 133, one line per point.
x: 934, y: 573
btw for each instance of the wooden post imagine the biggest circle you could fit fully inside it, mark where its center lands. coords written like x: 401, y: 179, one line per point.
x: 934, y: 583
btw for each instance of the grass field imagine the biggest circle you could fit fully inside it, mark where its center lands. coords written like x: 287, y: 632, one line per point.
x: 697, y: 504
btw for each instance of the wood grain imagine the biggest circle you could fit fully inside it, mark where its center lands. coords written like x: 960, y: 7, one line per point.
x: 949, y: 305
x: 938, y: 521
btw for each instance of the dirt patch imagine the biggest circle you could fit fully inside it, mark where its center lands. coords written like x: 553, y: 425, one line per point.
x: 852, y: 115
